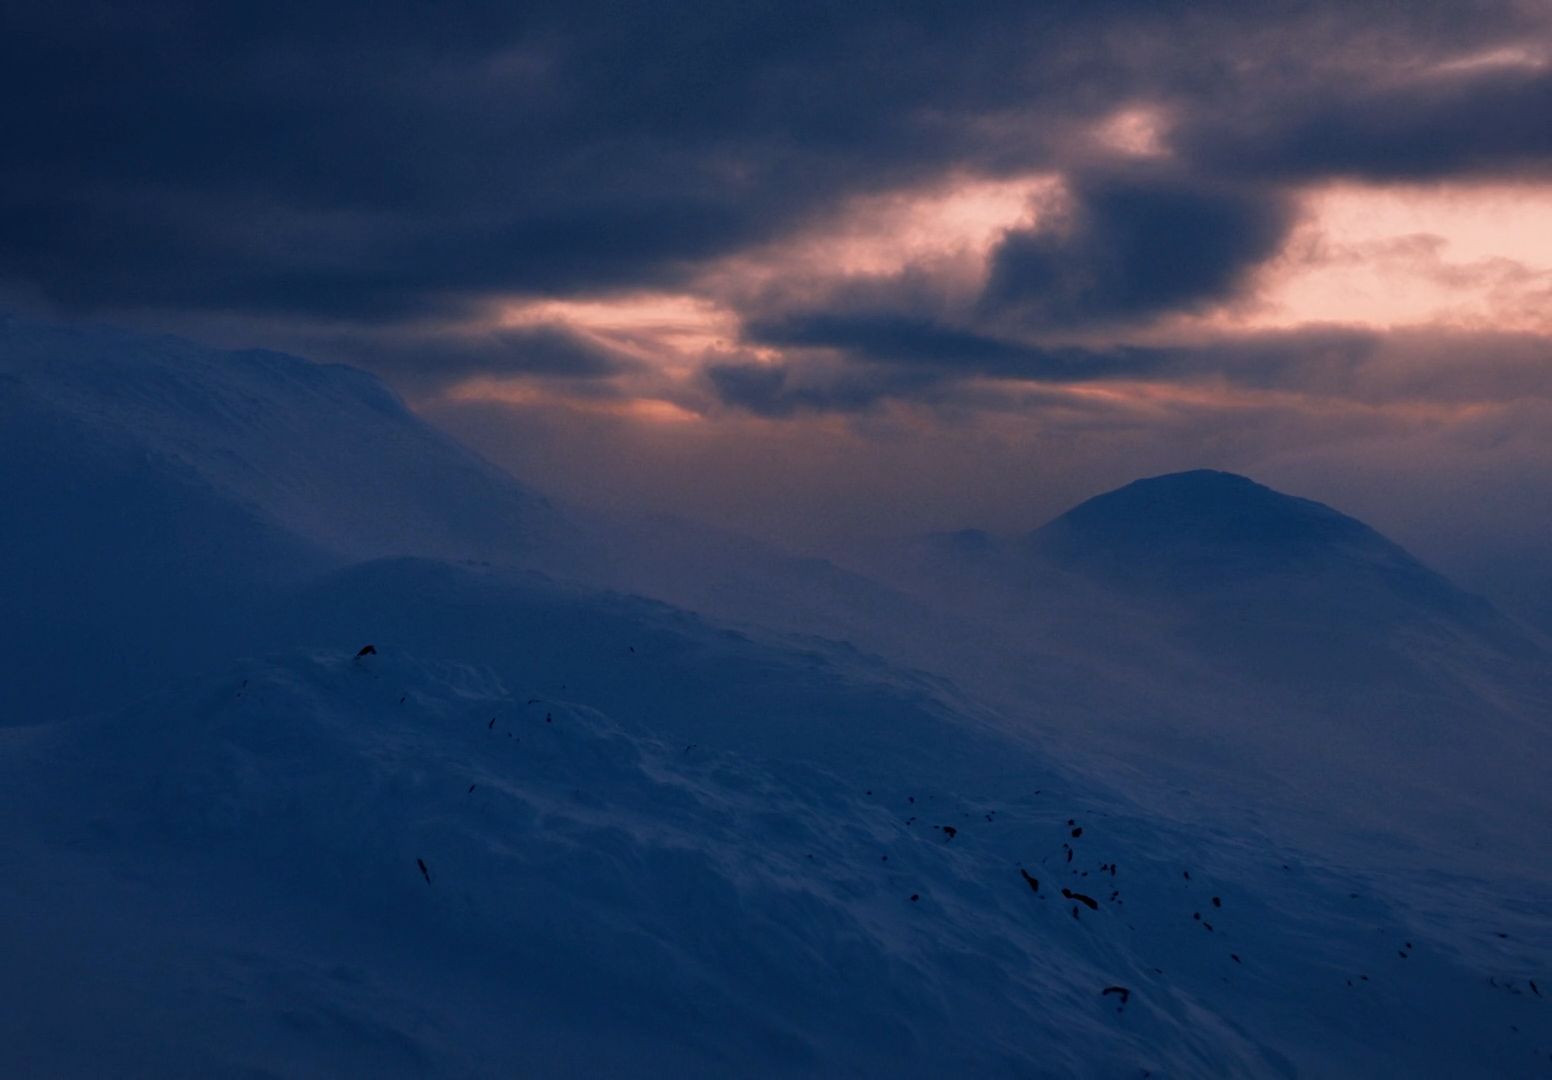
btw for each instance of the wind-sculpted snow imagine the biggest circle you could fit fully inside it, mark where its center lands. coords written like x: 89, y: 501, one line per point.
x: 243, y: 862
x: 1086, y: 808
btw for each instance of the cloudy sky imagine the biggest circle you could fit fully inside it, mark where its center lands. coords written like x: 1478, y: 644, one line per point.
x: 824, y: 270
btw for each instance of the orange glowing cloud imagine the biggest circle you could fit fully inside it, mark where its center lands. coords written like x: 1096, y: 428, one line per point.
x: 1519, y: 56
x: 1387, y: 257
x: 946, y: 230
x: 530, y: 395
x: 655, y: 327
x: 1465, y: 256
x: 1135, y: 131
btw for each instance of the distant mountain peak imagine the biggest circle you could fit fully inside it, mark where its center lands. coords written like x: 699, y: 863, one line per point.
x: 1196, y: 478
x: 1206, y: 529
x: 1247, y: 563
x: 1205, y: 493
x: 1207, y: 512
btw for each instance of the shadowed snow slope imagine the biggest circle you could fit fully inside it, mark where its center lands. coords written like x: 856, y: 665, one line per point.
x: 156, y: 490
x: 120, y: 568
x: 323, y: 451
x: 544, y: 828
x: 1212, y: 630
x: 1219, y: 546
x: 235, y: 886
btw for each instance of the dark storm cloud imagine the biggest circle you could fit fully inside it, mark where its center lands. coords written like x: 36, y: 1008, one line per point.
x: 1136, y: 245
x: 426, y: 361
x: 368, y: 160
x: 1461, y: 124
x: 774, y: 390
x: 892, y: 338
x: 892, y: 359
x: 947, y: 351
x: 160, y: 254
x: 896, y: 358
x: 381, y: 163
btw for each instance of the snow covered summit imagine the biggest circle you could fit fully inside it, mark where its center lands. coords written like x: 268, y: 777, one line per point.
x: 1194, y: 528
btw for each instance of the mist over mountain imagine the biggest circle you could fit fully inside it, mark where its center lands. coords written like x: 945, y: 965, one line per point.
x: 1209, y: 530
x: 328, y: 747
x: 1285, y: 585
x: 1213, y: 627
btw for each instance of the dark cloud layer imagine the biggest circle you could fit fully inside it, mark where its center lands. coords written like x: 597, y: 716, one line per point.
x: 895, y: 356
x: 895, y: 339
x: 1490, y: 123
x: 380, y: 160
x: 372, y: 158
x: 776, y: 390
x: 396, y: 164
x: 426, y: 363
x: 1135, y: 246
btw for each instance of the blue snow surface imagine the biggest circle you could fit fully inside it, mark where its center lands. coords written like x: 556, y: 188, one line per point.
x: 585, y: 811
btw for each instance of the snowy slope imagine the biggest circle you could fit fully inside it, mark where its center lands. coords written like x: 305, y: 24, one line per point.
x: 233, y: 888
x: 653, y: 844
x: 118, y: 568
x: 1224, y: 636
x: 325, y: 452
x: 157, y: 491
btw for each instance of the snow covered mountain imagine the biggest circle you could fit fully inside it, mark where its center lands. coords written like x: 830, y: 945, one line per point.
x: 544, y: 827
x: 159, y: 490
x: 1216, y: 631
x: 1221, y: 552
x: 1243, y: 563
x: 325, y: 452
x: 315, y: 864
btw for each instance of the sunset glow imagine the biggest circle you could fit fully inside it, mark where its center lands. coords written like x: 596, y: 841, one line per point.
x: 1138, y: 131
x: 1458, y: 255
x: 765, y: 540
x: 663, y: 328
x: 945, y: 231
x: 1209, y: 231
